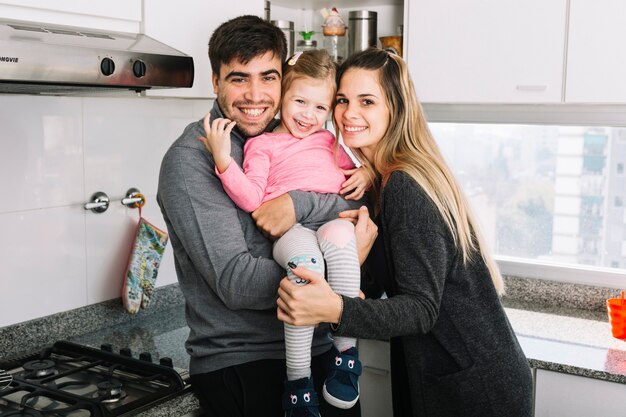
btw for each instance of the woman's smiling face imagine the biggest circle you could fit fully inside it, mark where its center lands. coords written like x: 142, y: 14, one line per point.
x: 361, y: 113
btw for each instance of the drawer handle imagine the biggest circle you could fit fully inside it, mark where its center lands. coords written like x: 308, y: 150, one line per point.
x: 531, y: 87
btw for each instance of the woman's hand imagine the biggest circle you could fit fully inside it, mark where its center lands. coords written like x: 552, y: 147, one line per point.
x: 310, y: 304
x: 364, y: 229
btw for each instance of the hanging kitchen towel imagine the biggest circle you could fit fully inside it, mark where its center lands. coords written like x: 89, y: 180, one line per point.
x: 143, y: 264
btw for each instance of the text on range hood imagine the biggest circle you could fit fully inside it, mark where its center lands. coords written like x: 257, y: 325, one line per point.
x: 53, y: 59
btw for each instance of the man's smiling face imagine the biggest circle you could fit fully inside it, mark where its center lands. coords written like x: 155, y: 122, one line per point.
x: 249, y: 93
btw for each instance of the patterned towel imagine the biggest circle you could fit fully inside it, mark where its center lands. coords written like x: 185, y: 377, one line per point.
x: 143, y: 266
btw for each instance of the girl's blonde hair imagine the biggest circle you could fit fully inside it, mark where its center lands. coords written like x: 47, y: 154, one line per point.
x: 315, y: 64
x: 409, y: 146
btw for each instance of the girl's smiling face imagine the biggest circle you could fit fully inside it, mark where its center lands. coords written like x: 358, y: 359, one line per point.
x: 305, y: 106
x: 361, y: 112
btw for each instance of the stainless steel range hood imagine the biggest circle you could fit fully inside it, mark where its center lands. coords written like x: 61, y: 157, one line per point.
x: 53, y: 59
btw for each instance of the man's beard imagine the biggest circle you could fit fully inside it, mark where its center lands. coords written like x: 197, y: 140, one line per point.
x: 245, y: 128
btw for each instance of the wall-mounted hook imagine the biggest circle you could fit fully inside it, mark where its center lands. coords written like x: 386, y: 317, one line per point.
x: 134, y: 198
x: 99, y: 203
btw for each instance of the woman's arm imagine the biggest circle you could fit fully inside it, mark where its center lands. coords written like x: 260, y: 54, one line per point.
x: 422, y: 253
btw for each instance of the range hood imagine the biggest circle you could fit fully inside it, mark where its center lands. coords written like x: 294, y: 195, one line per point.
x: 52, y: 59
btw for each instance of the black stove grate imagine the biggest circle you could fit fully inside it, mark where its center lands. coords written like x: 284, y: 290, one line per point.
x: 79, y: 381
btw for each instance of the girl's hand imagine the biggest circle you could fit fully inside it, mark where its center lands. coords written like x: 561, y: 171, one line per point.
x: 355, y: 186
x: 365, y: 230
x: 310, y: 304
x: 217, y: 140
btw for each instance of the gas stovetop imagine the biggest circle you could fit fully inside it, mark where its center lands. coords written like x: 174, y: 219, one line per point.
x: 69, y: 379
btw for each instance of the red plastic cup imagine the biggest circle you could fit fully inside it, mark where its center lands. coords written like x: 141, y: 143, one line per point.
x: 616, y: 307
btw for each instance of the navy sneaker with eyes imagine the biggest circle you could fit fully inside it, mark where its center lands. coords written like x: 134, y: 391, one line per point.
x: 300, y: 399
x: 341, y: 388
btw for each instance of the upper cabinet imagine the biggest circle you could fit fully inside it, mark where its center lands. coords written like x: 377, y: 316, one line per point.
x: 187, y: 26
x: 115, y: 15
x: 486, y: 51
x: 595, y: 65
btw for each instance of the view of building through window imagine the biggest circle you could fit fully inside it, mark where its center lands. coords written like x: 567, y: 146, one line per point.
x: 552, y: 193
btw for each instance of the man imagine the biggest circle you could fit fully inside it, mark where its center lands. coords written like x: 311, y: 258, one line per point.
x: 223, y: 260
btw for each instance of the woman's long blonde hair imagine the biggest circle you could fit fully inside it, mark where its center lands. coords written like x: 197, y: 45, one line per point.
x: 409, y: 146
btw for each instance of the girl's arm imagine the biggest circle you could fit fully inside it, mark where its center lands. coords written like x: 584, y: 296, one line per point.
x: 246, y: 190
x: 217, y: 141
x: 354, y: 187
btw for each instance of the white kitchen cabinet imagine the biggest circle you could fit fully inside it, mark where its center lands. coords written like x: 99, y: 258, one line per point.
x: 114, y: 15
x: 559, y: 394
x: 375, y: 382
x: 595, y: 62
x: 486, y: 51
x: 187, y: 26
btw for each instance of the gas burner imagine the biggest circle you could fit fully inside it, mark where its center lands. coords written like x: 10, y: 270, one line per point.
x: 110, y: 391
x: 38, y: 369
x: 72, y: 380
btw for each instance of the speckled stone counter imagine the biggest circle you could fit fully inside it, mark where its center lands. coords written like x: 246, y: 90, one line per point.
x: 561, y: 338
x: 570, y: 341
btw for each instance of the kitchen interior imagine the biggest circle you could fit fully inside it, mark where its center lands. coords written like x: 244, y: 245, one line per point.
x: 531, y: 90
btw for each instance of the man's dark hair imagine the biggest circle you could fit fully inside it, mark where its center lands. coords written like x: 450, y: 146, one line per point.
x: 244, y: 38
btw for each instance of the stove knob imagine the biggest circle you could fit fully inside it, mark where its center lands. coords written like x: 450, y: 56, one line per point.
x: 139, y: 69
x: 107, y: 66
x: 165, y: 361
x: 126, y: 352
x: 145, y: 356
x: 107, y: 347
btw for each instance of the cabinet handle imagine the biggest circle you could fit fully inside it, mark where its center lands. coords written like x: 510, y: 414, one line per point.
x: 528, y: 87
x: 377, y: 371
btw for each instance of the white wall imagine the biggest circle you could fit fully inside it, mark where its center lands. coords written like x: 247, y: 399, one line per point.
x: 55, y: 152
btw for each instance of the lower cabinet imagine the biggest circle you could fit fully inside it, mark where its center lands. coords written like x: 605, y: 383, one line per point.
x: 559, y: 394
x: 375, y: 382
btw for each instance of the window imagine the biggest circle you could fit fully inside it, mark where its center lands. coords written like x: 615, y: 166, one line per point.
x: 543, y: 193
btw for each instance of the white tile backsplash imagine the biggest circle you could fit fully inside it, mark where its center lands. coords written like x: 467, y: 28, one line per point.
x: 42, y: 263
x: 55, y: 152
x: 41, y: 158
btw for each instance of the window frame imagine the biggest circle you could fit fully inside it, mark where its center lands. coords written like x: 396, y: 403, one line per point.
x: 541, y: 114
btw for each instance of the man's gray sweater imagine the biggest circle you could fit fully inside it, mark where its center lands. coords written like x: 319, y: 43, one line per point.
x: 223, y: 262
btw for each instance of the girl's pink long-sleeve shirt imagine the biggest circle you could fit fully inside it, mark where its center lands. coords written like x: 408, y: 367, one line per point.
x: 275, y: 163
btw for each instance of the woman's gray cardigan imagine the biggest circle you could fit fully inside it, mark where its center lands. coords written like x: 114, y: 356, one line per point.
x: 453, y: 351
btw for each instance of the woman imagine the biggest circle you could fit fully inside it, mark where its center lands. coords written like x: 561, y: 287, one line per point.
x: 453, y: 351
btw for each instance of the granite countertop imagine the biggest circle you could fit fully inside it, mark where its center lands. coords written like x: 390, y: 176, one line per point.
x: 162, y: 334
x: 572, y: 341
x: 575, y: 342
x: 561, y: 339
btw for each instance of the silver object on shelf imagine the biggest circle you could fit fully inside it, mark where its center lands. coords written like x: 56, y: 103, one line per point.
x: 288, y: 29
x: 362, y: 30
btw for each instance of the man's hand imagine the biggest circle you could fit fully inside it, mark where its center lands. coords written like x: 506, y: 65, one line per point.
x: 275, y: 217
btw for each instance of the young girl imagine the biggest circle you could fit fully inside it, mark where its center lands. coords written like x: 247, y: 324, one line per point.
x: 300, y: 155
